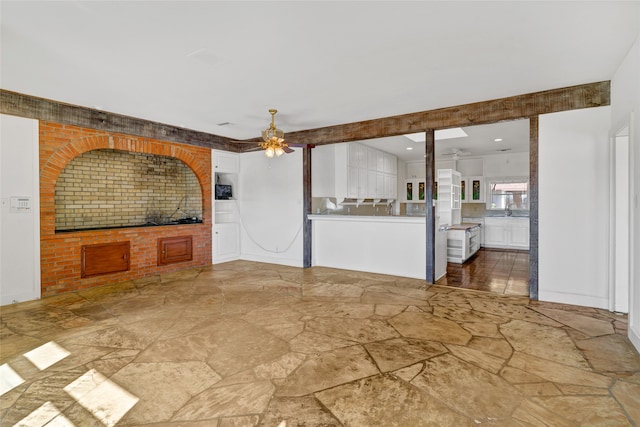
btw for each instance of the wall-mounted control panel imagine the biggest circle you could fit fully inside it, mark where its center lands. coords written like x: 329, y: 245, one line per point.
x: 20, y: 204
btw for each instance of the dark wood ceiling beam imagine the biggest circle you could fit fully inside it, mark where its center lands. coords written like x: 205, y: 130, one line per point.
x: 497, y: 110
x: 493, y: 111
x: 18, y: 104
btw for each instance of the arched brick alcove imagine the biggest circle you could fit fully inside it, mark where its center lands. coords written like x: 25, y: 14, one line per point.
x: 61, y: 252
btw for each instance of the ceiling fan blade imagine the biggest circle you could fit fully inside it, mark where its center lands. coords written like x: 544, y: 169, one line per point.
x: 303, y: 145
x: 248, y: 150
x: 287, y: 150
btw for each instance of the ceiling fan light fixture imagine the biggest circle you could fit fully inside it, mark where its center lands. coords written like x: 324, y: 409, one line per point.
x: 269, y: 152
x: 273, y: 138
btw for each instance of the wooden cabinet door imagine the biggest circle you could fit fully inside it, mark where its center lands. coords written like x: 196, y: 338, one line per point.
x: 105, y: 258
x: 174, y: 249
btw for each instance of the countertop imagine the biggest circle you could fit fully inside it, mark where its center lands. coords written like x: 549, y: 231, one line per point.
x: 363, y: 218
x: 464, y: 226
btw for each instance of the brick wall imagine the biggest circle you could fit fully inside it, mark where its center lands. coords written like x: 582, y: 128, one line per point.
x: 61, y: 252
x: 109, y: 188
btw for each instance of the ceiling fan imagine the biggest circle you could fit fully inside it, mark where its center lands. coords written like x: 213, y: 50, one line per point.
x: 456, y: 153
x: 273, y: 142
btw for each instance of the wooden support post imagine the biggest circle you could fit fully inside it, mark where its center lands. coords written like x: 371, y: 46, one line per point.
x: 306, y: 203
x: 430, y: 163
x: 533, y: 207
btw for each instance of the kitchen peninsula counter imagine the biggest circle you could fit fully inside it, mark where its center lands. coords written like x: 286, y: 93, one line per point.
x: 393, y: 245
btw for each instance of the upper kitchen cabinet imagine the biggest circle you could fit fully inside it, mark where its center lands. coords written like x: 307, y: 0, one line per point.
x: 390, y: 163
x: 354, y: 171
x: 472, y: 189
x: 225, y: 162
x: 414, y: 190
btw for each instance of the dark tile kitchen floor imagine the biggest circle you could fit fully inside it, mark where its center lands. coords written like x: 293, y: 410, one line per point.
x: 491, y: 270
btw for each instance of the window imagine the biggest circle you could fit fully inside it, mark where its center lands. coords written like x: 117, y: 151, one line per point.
x: 508, y: 194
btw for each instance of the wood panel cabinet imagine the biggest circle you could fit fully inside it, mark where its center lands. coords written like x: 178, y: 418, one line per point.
x: 175, y: 249
x: 106, y: 258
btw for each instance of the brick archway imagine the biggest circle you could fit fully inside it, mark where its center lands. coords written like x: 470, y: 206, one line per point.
x: 60, y: 260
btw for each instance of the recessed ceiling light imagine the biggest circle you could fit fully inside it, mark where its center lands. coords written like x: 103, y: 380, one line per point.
x: 439, y: 134
x: 409, y: 148
x: 503, y: 149
x: 498, y: 139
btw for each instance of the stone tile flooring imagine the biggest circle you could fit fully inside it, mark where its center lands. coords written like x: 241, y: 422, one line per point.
x: 246, y: 344
x: 492, y: 270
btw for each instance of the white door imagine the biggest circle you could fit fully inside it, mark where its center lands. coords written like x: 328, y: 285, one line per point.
x: 621, y: 216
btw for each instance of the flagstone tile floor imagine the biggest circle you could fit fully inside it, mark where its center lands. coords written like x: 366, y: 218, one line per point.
x: 251, y: 344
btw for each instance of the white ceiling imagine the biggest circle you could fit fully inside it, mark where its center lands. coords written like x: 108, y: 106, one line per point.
x: 480, y: 141
x: 199, y: 64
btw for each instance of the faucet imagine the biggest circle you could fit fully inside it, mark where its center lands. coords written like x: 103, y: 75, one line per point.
x: 507, y: 210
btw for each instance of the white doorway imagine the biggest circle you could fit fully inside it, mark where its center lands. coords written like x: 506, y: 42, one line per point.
x: 620, y: 228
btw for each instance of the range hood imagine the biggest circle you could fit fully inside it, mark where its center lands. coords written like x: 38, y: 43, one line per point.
x: 366, y: 202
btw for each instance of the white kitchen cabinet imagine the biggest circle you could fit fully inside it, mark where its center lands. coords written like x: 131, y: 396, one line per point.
x: 462, y: 243
x: 357, y: 172
x: 449, y: 196
x: 414, y: 190
x: 357, y: 155
x: 375, y: 159
x: 506, y: 233
x: 518, y: 236
x: 390, y: 164
x: 357, y: 182
x: 472, y: 189
x: 390, y: 186
x: 225, y: 162
x: 495, y: 233
x: 226, y: 242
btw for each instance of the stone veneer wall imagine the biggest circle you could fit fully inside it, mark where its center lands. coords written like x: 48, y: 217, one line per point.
x: 61, y: 252
x: 109, y: 188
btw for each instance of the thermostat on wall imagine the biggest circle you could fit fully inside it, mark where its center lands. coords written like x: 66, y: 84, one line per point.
x: 20, y: 204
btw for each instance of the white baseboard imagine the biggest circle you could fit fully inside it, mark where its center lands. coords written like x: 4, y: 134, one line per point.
x: 634, y: 337
x: 573, y: 299
x: 291, y: 262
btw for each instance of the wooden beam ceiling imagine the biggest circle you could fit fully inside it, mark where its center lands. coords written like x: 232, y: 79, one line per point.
x: 497, y: 110
x: 510, y: 108
x: 18, y: 104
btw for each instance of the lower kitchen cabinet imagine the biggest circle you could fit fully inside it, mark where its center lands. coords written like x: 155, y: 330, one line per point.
x: 226, y: 242
x: 506, y: 233
x: 462, y: 243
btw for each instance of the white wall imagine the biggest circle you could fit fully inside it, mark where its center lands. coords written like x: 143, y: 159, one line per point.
x: 503, y: 165
x: 574, y: 207
x: 19, y: 232
x: 271, y: 209
x: 625, y: 110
